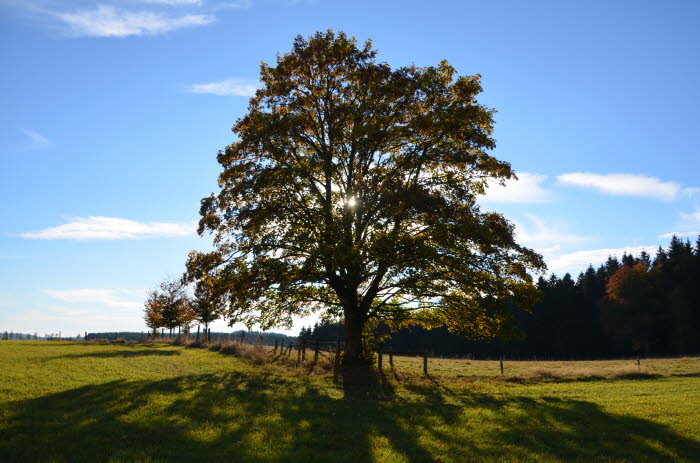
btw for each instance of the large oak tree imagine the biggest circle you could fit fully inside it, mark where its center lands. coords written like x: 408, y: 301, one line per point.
x: 352, y: 189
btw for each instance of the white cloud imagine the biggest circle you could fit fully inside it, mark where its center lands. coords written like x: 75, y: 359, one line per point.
x: 689, y: 226
x: 123, y: 299
x: 627, y: 185
x: 37, y: 139
x: 680, y: 234
x: 527, y: 189
x: 110, y: 228
x: 231, y: 5
x: 578, y: 261
x: 107, y: 21
x: 211, y: 6
x: 175, y: 2
x: 229, y: 87
x: 73, y: 321
x: 539, y: 232
x: 78, y: 310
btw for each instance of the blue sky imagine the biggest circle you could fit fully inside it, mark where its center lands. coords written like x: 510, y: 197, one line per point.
x: 113, y: 111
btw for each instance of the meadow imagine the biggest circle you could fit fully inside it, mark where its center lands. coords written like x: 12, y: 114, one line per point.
x: 77, y: 401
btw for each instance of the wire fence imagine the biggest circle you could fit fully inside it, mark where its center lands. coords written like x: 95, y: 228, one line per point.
x: 282, y: 346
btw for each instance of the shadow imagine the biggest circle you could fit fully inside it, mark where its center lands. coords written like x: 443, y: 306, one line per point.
x: 44, y: 343
x: 234, y: 417
x: 363, y: 382
x: 119, y: 353
x: 131, y: 344
x: 554, y: 379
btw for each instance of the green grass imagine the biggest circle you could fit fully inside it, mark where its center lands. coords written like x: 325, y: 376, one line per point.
x: 63, y: 401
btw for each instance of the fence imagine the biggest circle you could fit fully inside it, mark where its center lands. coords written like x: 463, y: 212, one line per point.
x: 282, y: 346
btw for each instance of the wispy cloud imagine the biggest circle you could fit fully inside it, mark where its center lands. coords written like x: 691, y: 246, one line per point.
x: 688, y: 226
x: 124, y: 299
x: 540, y: 232
x: 230, y: 5
x: 228, y: 87
x: 578, y: 261
x: 107, y: 21
x: 175, y: 2
x: 527, y: 189
x: 37, y: 140
x: 627, y: 185
x: 210, y: 5
x: 79, y: 310
x: 681, y: 234
x: 110, y: 228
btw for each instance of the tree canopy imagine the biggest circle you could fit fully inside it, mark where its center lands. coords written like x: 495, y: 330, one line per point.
x: 352, y: 189
x: 207, y: 304
x: 168, y: 306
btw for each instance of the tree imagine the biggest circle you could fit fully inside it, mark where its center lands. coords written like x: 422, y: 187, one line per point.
x: 629, y: 306
x: 304, y: 334
x: 152, y: 312
x: 208, y: 303
x: 352, y: 189
x: 175, y: 308
x: 186, y: 315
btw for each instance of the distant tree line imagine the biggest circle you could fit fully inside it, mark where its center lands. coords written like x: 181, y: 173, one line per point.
x: 238, y: 335
x: 637, y: 305
x: 12, y: 336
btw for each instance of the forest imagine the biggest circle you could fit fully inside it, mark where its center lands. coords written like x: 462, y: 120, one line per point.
x: 637, y: 305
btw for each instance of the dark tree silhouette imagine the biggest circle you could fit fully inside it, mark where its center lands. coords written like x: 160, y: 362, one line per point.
x: 651, y: 306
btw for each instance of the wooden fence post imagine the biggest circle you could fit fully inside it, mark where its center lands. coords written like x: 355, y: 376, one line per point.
x: 391, y: 360
x: 298, y: 352
x: 501, y: 364
x: 425, y: 363
x: 336, y: 364
x: 379, y: 359
x: 639, y: 365
x: 316, y: 352
x: 274, y: 352
x: 303, y: 350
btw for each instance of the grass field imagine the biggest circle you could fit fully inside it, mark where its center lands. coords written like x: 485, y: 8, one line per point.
x: 62, y: 401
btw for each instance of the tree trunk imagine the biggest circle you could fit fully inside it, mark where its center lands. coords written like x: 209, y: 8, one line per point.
x: 197, y: 334
x: 352, y: 352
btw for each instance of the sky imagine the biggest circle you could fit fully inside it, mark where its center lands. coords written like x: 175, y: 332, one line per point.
x: 113, y: 111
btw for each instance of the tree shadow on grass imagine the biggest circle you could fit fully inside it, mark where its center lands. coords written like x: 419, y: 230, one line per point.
x: 119, y: 353
x: 234, y: 417
x: 132, y: 345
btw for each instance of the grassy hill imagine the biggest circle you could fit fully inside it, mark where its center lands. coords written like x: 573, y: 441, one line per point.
x: 62, y: 401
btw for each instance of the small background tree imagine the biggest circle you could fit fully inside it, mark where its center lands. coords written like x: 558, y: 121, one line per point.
x: 175, y: 307
x: 153, y: 308
x: 208, y: 303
